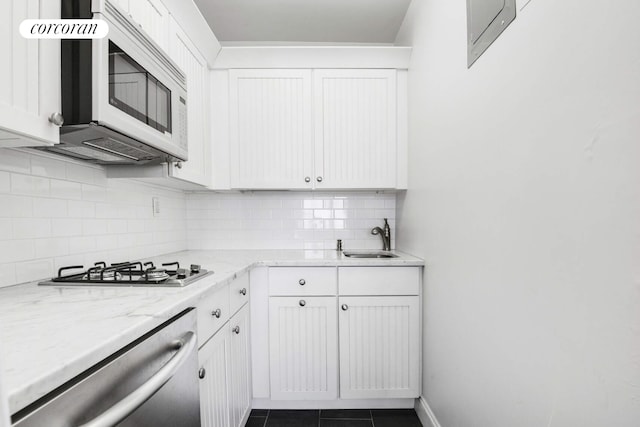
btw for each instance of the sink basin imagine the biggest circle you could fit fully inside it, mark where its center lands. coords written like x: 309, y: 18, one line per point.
x: 369, y: 254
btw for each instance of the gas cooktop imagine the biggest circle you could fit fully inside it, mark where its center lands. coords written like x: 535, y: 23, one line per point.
x: 128, y: 274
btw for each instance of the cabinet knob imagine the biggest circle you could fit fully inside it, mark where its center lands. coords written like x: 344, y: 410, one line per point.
x: 345, y: 307
x: 201, y: 373
x: 56, y: 119
x: 307, y: 179
x: 178, y: 165
x: 243, y: 291
x: 236, y: 330
x: 216, y: 313
x: 302, y: 303
x: 302, y: 282
x: 319, y: 179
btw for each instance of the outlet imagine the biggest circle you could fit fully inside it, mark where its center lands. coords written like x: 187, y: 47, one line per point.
x: 155, y: 202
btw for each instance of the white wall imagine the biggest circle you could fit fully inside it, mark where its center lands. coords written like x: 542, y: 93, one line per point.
x: 524, y: 198
x: 288, y: 220
x: 56, y: 213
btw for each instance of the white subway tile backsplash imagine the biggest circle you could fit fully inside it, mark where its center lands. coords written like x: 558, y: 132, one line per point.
x: 81, y: 173
x: 58, y: 212
x: 94, y: 227
x: 49, y: 208
x: 7, y: 274
x: 12, y: 251
x: 30, y: 228
x: 33, y: 270
x: 51, y: 247
x: 82, y: 244
x: 93, y: 193
x: 15, y: 206
x: 5, y: 182
x: 81, y: 209
x: 15, y: 161
x: 5, y: 229
x: 66, y: 189
x: 29, y: 185
x: 287, y: 220
x: 48, y: 167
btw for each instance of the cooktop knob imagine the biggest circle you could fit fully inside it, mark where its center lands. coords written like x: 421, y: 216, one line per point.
x: 195, y: 268
x: 181, y: 273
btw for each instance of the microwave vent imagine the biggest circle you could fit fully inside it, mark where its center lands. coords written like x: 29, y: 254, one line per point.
x: 118, y: 148
x: 87, y: 153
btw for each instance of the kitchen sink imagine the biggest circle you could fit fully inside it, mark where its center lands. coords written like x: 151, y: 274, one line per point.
x: 369, y: 254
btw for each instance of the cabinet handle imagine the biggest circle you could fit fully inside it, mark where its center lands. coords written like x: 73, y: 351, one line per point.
x: 243, y: 291
x: 178, y: 165
x: 302, y: 303
x: 236, y: 330
x: 56, y: 119
x: 307, y: 179
x: 302, y: 282
x: 319, y: 179
x: 345, y: 307
x: 201, y: 373
x: 216, y: 313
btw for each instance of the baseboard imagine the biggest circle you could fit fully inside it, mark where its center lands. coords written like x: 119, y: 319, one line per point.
x: 334, y: 404
x: 426, y: 415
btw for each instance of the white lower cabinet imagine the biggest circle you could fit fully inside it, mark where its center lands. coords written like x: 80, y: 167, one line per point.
x: 225, y: 359
x: 379, y: 346
x: 303, y: 348
x: 240, y: 368
x: 214, y: 400
x: 357, y: 340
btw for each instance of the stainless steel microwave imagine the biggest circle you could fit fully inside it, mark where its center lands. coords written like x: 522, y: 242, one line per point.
x: 124, y: 101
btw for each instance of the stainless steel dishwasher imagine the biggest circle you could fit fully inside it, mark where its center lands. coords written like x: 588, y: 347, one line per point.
x: 152, y: 382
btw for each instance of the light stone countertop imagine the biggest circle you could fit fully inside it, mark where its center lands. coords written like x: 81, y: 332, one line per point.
x: 50, y: 334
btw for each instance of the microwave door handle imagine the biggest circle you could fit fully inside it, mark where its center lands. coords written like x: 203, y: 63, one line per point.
x: 121, y: 410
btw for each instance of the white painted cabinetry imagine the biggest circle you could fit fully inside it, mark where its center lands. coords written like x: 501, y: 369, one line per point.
x: 303, y: 348
x: 338, y: 333
x: 29, y: 78
x: 214, y: 380
x: 270, y: 129
x: 153, y: 17
x: 224, y: 356
x: 379, y: 347
x: 239, y: 368
x: 313, y: 129
x: 182, y: 50
x: 355, y: 128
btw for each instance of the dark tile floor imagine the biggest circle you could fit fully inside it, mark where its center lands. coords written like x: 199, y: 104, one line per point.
x: 334, y: 418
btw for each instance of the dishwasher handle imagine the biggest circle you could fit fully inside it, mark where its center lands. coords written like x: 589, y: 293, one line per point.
x: 118, y: 412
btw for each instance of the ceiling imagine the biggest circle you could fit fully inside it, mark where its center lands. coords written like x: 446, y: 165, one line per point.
x: 305, y: 21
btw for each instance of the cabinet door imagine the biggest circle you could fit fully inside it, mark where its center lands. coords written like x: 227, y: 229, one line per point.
x: 379, y: 347
x: 30, y: 78
x: 197, y: 168
x: 355, y: 128
x: 153, y: 17
x: 303, y: 352
x: 214, y: 399
x: 270, y: 129
x: 240, y: 368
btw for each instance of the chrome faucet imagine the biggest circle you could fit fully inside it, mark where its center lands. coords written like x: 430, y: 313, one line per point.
x: 384, y: 234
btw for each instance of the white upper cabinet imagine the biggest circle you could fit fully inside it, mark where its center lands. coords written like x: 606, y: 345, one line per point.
x: 29, y: 78
x: 152, y: 16
x: 182, y: 50
x: 270, y: 129
x: 312, y: 129
x: 355, y: 128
